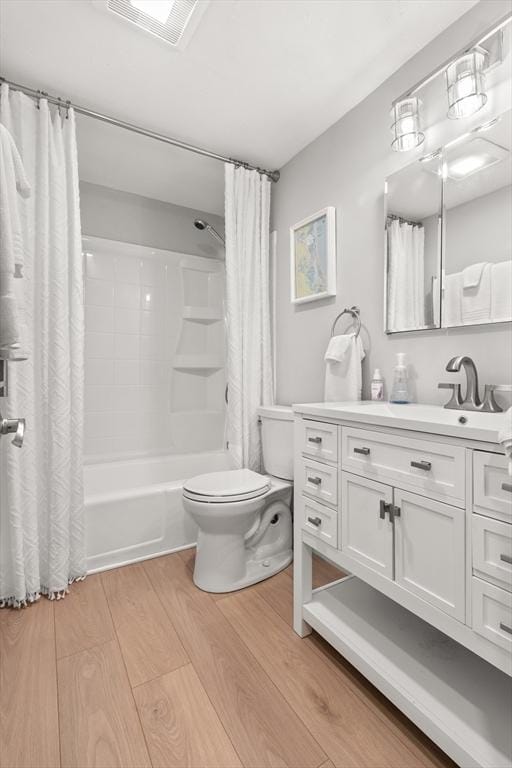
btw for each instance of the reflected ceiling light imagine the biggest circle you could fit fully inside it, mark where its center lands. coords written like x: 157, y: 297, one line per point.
x: 465, y: 84
x: 406, y: 125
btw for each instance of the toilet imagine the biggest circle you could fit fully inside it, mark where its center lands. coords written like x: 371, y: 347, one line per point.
x: 244, y: 518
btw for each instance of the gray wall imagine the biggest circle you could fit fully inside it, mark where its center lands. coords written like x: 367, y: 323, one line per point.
x: 479, y: 230
x: 346, y: 167
x: 131, y: 218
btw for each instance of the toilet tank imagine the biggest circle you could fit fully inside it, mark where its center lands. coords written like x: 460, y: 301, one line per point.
x: 277, y: 440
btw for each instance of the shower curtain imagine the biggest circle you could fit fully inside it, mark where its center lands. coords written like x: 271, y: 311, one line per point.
x: 406, y: 298
x: 247, y: 215
x: 42, y: 542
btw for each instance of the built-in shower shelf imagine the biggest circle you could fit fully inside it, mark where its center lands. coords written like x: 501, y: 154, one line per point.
x: 197, y: 363
x: 204, y: 315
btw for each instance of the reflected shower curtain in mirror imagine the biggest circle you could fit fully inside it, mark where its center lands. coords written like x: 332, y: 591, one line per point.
x: 247, y: 310
x: 406, y: 278
x: 42, y: 542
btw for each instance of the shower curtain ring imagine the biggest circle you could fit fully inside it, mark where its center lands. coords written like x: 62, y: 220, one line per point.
x: 68, y: 107
x: 39, y: 96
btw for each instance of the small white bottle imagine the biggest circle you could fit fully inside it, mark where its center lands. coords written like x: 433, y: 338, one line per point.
x: 400, y: 390
x: 377, y: 385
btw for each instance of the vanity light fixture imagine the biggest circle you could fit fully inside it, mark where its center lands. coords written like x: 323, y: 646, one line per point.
x: 406, y: 127
x: 465, y: 84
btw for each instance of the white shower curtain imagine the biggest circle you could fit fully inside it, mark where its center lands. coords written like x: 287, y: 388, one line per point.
x: 248, y: 311
x: 42, y: 542
x: 406, y: 279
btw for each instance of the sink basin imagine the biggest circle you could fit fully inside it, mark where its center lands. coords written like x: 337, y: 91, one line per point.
x: 415, y: 416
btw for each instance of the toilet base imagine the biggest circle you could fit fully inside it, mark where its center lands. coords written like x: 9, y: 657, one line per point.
x: 257, y: 570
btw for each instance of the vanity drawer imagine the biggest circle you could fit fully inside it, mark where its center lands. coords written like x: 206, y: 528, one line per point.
x: 431, y: 469
x: 492, y: 485
x: 319, y: 520
x: 492, y: 613
x: 492, y: 549
x: 320, y: 481
x: 319, y: 440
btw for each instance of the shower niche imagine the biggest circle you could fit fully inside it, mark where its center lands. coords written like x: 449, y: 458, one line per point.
x: 198, y: 376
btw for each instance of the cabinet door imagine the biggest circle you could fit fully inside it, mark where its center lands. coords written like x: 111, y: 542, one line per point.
x: 366, y: 537
x: 430, y: 551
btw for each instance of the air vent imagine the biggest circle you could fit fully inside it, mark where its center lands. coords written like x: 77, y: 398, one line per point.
x: 171, y: 20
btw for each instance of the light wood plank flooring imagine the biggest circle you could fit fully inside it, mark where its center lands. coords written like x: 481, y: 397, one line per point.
x: 137, y: 667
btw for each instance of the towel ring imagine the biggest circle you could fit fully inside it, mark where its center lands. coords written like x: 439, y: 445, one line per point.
x: 355, y: 312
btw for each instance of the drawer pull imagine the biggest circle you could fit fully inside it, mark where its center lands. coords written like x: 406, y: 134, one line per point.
x: 425, y: 465
x: 316, y: 440
x: 506, y: 559
x: 315, y: 521
x: 506, y: 487
x: 504, y: 628
x: 364, y: 451
x: 314, y: 480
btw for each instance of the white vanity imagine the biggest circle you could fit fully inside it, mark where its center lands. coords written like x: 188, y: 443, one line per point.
x: 415, y: 502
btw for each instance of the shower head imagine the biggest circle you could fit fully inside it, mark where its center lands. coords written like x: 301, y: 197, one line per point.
x: 202, y: 225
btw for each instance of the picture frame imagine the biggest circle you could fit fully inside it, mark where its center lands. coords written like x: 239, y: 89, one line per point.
x: 313, y: 257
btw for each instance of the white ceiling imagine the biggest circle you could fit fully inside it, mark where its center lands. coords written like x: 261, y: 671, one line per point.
x: 259, y: 80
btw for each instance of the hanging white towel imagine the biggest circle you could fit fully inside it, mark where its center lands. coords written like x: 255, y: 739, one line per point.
x: 501, y: 291
x: 476, y: 302
x: 13, y: 183
x: 505, y: 438
x: 472, y: 275
x: 343, y: 372
x: 452, y: 300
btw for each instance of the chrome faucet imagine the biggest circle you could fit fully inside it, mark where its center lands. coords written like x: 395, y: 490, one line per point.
x: 472, y: 401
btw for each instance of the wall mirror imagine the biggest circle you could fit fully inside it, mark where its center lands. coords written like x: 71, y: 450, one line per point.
x: 449, y: 234
x: 413, y: 235
x: 477, y: 218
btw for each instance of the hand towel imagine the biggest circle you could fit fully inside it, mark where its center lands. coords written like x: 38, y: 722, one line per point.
x: 452, y: 300
x: 501, y: 291
x: 472, y: 275
x: 13, y: 183
x: 338, y: 347
x: 505, y: 438
x: 476, y: 302
x: 343, y: 376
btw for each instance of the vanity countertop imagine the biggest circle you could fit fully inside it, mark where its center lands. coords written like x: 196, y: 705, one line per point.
x: 433, y: 419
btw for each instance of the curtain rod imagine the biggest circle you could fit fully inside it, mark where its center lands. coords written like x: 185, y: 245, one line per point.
x: 37, y: 94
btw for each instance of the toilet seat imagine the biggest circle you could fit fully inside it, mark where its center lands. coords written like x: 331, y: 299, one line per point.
x: 225, y: 487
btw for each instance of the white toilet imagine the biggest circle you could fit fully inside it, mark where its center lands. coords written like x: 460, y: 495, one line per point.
x: 244, y: 518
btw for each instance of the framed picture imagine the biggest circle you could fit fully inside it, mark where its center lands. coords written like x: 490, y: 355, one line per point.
x: 313, y: 257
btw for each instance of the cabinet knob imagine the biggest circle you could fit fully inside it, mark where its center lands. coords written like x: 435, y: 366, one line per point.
x: 316, y: 521
x: 506, y: 487
x: 314, y: 480
x: 316, y: 440
x: 426, y: 466
x: 506, y: 559
x: 505, y: 628
x: 364, y: 451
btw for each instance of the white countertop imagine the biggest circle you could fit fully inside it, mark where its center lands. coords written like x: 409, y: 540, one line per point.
x: 433, y: 419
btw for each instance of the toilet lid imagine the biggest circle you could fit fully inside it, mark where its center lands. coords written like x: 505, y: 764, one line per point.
x: 233, y: 485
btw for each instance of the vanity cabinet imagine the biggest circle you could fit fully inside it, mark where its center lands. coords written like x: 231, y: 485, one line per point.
x: 421, y: 521
x: 418, y: 543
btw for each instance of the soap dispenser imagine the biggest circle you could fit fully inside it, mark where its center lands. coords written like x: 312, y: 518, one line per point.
x: 400, y: 389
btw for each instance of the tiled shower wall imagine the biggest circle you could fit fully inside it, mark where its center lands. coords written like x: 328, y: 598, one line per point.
x: 145, y: 389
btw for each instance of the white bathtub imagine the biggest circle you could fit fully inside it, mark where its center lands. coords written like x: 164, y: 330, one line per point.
x: 133, y: 507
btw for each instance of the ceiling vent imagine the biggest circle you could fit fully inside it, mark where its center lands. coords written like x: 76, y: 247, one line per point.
x: 171, y: 20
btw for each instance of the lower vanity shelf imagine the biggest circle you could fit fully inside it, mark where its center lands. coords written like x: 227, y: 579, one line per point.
x: 459, y: 700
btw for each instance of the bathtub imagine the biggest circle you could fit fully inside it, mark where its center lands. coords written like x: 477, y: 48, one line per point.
x: 133, y: 507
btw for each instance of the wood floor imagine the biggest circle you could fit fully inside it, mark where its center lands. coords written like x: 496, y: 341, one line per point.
x: 137, y: 667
